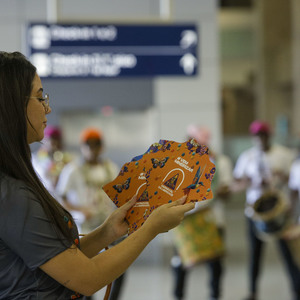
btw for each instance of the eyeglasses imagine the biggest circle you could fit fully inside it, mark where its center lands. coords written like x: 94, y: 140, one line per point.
x: 44, y: 101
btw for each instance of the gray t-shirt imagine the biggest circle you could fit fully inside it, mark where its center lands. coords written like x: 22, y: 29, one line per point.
x: 27, y: 240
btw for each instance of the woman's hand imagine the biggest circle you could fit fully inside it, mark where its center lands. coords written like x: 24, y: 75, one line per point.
x: 162, y: 219
x: 116, y: 223
x: 168, y: 216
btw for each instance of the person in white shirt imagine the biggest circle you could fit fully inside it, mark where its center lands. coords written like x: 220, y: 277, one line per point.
x: 259, y: 169
x: 80, y: 187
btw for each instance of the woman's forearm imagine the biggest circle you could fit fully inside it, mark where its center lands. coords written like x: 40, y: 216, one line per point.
x: 86, y: 275
x: 76, y: 271
x: 92, y: 243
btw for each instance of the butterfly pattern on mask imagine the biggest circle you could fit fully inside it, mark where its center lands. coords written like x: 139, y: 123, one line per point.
x: 192, y: 145
x: 162, y: 145
x: 123, y: 170
x: 211, y: 174
x: 159, y: 162
x: 122, y: 186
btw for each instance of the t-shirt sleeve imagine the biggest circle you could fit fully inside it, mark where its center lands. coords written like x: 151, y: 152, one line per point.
x: 113, y: 170
x: 26, y: 229
x: 66, y: 180
x: 225, y: 170
x: 240, y: 166
x: 294, y: 178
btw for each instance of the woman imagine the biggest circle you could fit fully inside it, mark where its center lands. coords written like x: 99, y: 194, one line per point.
x: 41, y: 255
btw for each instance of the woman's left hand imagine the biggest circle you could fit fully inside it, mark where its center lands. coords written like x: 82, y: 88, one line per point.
x: 116, y: 223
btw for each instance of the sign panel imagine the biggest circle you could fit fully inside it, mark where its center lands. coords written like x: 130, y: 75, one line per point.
x: 60, y: 50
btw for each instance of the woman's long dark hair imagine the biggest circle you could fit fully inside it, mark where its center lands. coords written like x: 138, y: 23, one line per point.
x: 16, y: 77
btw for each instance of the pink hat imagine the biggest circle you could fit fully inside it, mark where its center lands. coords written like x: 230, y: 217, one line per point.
x: 52, y: 132
x: 257, y: 127
x: 201, y: 134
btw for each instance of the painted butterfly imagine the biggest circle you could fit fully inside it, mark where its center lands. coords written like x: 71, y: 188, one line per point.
x: 123, y: 170
x: 123, y: 186
x: 161, y: 163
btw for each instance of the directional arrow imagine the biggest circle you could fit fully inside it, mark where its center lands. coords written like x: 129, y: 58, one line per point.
x: 188, y: 38
x: 188, y: 62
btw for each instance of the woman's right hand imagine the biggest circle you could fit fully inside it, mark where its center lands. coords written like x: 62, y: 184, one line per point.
x: 168, y: 216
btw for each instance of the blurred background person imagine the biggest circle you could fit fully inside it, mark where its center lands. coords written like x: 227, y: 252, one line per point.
x: 50, y: 158
x: 223, y: 176
x: 292, y: 231
x: 294, y: 186
x: 205, y: 224
x: 80, y: 187
x: 263, y: 168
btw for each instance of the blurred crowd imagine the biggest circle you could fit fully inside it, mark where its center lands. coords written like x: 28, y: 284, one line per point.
x: 268, y: 172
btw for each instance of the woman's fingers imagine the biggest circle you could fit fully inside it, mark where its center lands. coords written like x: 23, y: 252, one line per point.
x: 129, y: 204
x: 188, y: 206
x: 179, y: 201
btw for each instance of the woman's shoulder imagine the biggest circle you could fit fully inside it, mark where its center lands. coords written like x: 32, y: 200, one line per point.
x: 13, y: 189
x: 10, y: 183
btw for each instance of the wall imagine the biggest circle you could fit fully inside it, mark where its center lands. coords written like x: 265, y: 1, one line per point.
x: 178, y: 101
x: 184, y: 101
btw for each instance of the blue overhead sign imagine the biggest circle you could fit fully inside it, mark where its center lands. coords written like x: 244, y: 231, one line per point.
x: 60, y: 50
